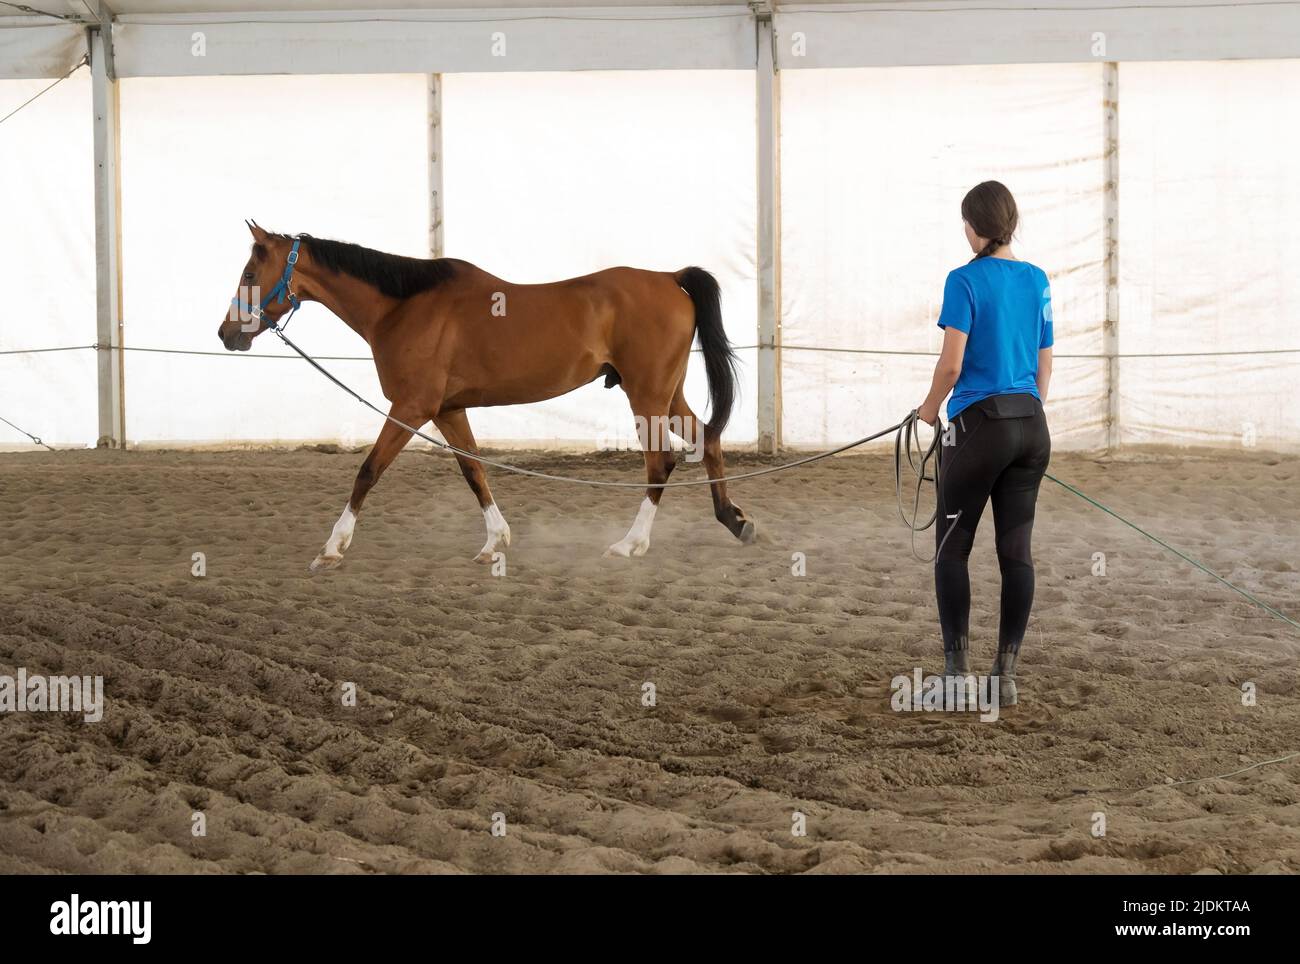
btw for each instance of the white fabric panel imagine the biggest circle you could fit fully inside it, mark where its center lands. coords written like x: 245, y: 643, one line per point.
x: 938, y: 32
x: 38, y: 47
x: 340, y: 157
x: 1209, y: 206
x: 549, y: 176
x: 47, y: 262
x: 430, y: 41
x: 874, y: 164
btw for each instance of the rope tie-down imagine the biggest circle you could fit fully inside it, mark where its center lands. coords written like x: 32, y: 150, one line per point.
x: 36, y: 439
x: 906, y: 448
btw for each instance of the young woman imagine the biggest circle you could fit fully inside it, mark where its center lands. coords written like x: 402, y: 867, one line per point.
x: 996, y: 361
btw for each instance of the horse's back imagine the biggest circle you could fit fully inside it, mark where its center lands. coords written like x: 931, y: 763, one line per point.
x: 619, y: 278
x: 609, y: 299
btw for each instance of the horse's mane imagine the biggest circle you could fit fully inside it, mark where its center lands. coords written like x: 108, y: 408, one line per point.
x: 393, y: 274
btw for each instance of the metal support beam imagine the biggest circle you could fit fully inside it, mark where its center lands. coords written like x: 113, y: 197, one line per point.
x: 108, y: 243
x: 436, y: 248
x: 768, y: 94
x: 1110, y: 327
x: 101, y: 12
x: 907, y: 33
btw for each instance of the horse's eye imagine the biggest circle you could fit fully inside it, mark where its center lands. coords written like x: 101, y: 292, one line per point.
x: 249, y: 276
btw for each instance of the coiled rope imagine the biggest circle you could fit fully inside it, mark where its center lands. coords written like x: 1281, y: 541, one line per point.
x: 908, y: 443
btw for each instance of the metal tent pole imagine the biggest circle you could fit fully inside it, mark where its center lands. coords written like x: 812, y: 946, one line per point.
x: 769, y: 240
x: 108, y: 235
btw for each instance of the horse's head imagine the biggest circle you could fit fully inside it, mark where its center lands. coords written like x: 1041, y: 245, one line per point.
x: 265, y: 291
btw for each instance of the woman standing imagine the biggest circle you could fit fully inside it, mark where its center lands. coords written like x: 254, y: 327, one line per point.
x: 997, y: 362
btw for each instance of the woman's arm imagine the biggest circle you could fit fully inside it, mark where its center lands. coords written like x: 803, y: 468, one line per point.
x: 1044, y: 372
x: 946, y: 371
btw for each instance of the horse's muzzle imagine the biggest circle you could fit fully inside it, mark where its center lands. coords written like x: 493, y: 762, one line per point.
x: 237, y: 340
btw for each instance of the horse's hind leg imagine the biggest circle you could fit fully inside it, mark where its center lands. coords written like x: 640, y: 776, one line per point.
x: 659, y: 461
x: 724, y: 510
x: 454, y: 427
x: 390, y: 442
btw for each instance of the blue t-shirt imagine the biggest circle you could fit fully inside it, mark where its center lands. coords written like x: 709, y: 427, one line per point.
x: 1005, y: 309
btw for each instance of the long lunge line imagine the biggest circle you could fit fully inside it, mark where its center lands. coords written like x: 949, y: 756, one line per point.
x: 519, y: 470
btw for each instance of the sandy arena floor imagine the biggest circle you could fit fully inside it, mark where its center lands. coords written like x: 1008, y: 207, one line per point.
x: 522, y: 694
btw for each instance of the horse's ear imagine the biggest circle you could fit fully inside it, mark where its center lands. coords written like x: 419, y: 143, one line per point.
x: 257, y: 232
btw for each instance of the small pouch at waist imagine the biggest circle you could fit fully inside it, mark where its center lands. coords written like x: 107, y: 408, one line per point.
x: 1009, y: 406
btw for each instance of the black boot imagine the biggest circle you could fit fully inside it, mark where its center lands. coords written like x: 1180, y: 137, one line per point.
x: 1004, y: 672
x: 958, y: 681
x: 956, y: 661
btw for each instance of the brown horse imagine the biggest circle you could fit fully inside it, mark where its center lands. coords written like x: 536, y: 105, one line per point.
x: 447, y: 336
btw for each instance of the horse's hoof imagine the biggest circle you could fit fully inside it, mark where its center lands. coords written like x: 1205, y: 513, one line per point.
x: 747, y: 534
x: 627, y: 550
x: 323, y: 562
x: 484, y: 557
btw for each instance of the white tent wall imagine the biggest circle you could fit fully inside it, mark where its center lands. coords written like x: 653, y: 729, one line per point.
x: 1209, y: 248
x: 874, y: 164
x: 341, y: 157
x: 553, y: 175
x: 47, y: 263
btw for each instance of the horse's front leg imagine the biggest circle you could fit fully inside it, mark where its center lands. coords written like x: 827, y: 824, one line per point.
x: 454, y: 427
x: 392, y: 438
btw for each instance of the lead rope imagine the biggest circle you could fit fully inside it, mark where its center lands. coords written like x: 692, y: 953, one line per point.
x: 518, y: 470
x: 1180, y: 554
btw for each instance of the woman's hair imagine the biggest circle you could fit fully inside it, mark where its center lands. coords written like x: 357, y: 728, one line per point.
x: 991, y: 211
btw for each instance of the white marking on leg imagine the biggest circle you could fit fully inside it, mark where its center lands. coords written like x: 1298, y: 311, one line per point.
x: 637, y: 540
x: 498, y: 532
x: 340, y: 538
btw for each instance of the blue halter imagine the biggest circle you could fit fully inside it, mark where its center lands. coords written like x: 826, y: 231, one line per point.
x: 278, y: 294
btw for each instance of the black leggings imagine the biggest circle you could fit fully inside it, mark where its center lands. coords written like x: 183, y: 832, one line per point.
x: 1001, y: 449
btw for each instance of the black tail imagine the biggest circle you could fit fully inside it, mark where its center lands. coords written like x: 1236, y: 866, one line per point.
x: 719, y: 358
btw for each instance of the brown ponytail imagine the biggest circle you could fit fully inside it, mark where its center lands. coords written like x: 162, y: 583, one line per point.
x: 991, y: 212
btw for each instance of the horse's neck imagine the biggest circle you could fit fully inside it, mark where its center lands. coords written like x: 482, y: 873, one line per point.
x: 358, y: 304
